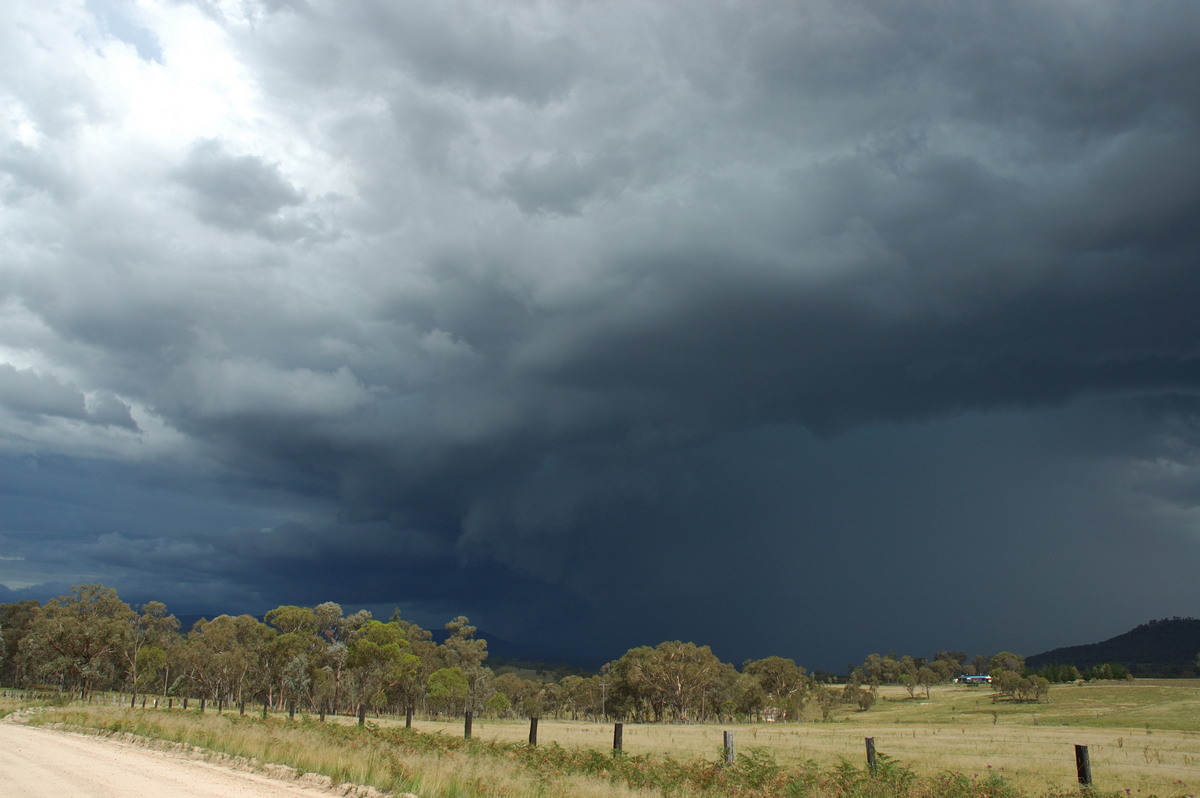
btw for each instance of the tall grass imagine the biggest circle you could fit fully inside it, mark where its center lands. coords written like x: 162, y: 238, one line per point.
x: 954, y: 744
x: 400, y: 761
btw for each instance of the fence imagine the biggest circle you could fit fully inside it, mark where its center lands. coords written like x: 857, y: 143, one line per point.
x: 1154, y: 761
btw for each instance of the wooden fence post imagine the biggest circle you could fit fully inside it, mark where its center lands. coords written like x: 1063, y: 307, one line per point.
x: 264, y: 712
x: 1083, y: 765
x: 362, y: 714
x: 242, y: 707
x: 467, y: 725
x: 408, y: 715
x: 185, y: 702
x: 618, y: 733
x: 728, y: 748
x: 533, y: 731
x: 871, y: 755
x: 202, y: 706
x: 292, y: 709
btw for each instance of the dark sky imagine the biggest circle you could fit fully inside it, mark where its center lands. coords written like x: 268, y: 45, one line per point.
x: 800, y: 328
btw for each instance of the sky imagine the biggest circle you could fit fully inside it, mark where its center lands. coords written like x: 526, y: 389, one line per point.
x: 802, y: 328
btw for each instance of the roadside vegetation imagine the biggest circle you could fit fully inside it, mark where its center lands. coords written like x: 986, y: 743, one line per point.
x: 381, y: 703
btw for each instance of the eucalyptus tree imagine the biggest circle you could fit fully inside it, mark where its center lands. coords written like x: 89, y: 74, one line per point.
x: 466, y: 652
x: 152, y: 632
x: 16, y: 619
x: 785, y: 685
x: 223, y: 657
x: 78, y: 640
x: 377, y: 661
x: 673, y: 675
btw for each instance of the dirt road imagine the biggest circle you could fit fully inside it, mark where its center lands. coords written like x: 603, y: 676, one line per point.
x: 43, y: 763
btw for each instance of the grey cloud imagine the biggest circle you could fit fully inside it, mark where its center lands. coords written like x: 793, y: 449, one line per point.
x: 479, y: 47
x: 239, y: 192
x: 29, y: 393
x: 31, y: 171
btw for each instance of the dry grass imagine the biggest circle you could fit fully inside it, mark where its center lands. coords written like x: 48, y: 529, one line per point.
x: 1142, y: 738
x: 1031, y: 745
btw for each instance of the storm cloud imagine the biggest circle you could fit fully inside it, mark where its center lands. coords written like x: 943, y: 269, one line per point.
x: 796, y: 328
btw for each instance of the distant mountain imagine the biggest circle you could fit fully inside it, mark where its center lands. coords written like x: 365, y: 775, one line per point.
x: 1166, y: 647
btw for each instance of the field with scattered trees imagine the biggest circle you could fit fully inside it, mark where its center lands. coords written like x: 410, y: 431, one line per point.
x: 338, y: 687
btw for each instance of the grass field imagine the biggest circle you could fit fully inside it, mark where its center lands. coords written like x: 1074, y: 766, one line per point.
x: 1143, y: 737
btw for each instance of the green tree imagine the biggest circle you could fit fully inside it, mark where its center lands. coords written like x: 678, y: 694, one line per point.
x: 15, y: 618
x: 77, y: 640
x: 223, y: 659
x: 785, y: 685
x: 1006, y: 661
x: 378, y: 659
x: 152, y: 627
x: 673, y: 675
x: 448, y: 690
x: 926, y: 677
x: 464, y: 651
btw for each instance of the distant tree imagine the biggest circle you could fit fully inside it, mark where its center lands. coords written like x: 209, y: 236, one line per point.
x: 909, y: 681
x: 498, y: 705
x: 448, y: 690
x: 926, y: 677
x: 827, y: 699
x: 1006, y: 661
x: 784, y: 684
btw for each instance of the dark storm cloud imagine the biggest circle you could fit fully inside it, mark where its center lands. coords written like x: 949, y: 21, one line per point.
x: 761, y: 326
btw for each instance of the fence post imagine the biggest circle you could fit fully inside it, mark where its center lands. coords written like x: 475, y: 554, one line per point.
x: 533, y: 731
x: 1083, y: 765
x: 264, y: 714
x: 728, y: 748
x: 362, y: 714
x: 467, y: 725
x: 871, y: 755
x: 292, y: 709
x: 408, y: 713
x: 185, y: 702
x: 618, y: 733
x: 202, y: 706
x: 242, y: 706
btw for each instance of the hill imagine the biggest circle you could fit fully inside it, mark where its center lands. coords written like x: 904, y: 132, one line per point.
x: 1166, y: 647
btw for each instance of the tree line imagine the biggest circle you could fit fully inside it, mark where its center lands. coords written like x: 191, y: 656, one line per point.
x: 323, y: 659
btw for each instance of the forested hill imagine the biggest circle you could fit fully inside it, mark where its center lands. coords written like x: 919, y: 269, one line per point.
x: 1166, y: 647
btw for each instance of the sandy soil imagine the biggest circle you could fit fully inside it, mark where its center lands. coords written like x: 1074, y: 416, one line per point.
x: 44, y: 763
